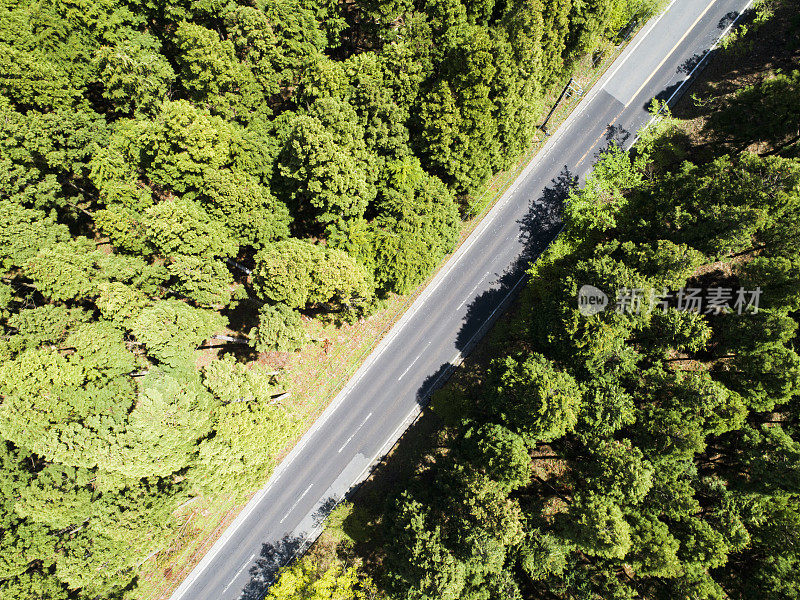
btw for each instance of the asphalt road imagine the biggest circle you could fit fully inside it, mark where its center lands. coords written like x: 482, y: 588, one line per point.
x: 454, y: 311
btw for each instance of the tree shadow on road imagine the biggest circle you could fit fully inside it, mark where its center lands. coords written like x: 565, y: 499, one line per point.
x: 690, y: 63
x: 727, y: 19
x: 414, y: 450
x: 274, y: 556
x: 269, y: 562
x: 537, y: 229
x: 324, y: 510
x: 693, y: 61
x: 433, y: 382
x: 616, y: 135
x: 663, y: 95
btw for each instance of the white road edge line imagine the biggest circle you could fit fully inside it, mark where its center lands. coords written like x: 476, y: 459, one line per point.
x: 381, y: 347
x: 243, y: 567
x: 296, y: 502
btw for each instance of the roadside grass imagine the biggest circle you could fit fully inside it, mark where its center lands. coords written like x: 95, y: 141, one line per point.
x: 317, y: 373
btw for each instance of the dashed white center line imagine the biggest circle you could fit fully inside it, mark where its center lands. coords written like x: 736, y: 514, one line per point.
x: 296, y: 502
x: 469, y: 296
x: 355, y: 432
x: 412, y: 362
x: 244, y: 566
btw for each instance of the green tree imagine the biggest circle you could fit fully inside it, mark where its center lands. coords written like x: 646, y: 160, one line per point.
x: 277, y: 40
x: 762, y: 113
x: 598, y: 527
x: 620, y: 472
x: 247, y: 209
x: 284, y: 272
x: 172, y: 412
x: 25, y: 232
x: 48, y: 324
x: 588, y: 22
x: 724, y: 204
x: 458, y: 132
x: 531, y: 396
x: 171, y: 330
x: 654, y: 550
x: 499, y: 451
x: 250, y: 429
x: 321, y: 178
x: 298, y: 273
x: 456, y: 556
x: 279, y: 328
x: 136, y: 76
x: 543, y: 555
x: 181, y: 226
x: 33, y: 586
x: 212, y: 74
x: 64, y: 271
x: 307, y: 580
x: 416, y: 226
x: 206, y: 282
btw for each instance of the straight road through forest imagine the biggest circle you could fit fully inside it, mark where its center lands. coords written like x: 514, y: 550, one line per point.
x: 453, y: 312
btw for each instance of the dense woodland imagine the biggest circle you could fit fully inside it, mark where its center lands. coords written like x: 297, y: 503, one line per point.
x: 631, y: 455
x: 151, y: 154
x: 620, y: 456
